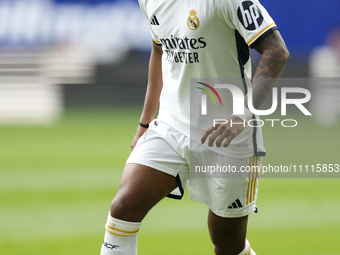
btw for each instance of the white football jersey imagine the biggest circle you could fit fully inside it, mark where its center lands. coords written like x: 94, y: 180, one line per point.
x: 203, y: 40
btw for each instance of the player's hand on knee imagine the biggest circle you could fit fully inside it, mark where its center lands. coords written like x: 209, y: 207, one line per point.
x: 223, y: 134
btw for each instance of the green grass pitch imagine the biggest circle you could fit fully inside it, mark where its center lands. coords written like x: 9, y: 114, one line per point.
x: 57, y: 182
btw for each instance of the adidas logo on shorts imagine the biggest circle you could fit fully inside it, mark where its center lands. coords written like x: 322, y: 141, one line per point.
x: 236, y: 204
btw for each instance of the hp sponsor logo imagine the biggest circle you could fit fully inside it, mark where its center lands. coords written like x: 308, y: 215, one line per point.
x: 250, y: 15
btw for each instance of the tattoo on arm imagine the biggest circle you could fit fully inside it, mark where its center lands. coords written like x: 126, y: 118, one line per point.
x: 274, y: 57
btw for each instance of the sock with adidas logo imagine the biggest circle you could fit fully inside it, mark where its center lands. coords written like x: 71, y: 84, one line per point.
x: 120, y: 237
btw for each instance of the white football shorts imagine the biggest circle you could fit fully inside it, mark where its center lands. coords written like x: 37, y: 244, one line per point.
x: 229, y: 186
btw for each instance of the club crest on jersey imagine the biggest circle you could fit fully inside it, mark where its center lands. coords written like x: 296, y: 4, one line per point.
x: 193, y: 22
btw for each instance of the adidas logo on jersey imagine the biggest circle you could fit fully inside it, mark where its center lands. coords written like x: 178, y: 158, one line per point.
x: 236, y: 204
x: 154, y: 21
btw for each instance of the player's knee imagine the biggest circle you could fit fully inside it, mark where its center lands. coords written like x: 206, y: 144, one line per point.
x: 125, y: 209
x: 120, y: 207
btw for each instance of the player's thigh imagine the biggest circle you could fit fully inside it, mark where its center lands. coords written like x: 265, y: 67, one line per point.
x: 141, y: 187
x: 152, y: 172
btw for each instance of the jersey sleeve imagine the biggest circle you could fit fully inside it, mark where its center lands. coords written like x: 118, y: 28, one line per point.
x: 142, y: 5
x: 248, y: 17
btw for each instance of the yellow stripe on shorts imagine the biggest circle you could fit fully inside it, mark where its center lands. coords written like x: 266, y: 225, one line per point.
x: 249, y: 181
x: 252, y: 182
x: 256, y: 177
x: 252, y: 179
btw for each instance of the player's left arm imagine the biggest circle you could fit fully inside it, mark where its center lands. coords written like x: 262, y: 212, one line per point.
x: 274, y: 57
x: 273, y: 60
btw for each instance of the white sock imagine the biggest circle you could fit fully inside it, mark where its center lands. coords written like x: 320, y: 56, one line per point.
x: 252, y: 252
x: 120, y: 237
x: 247, y: 250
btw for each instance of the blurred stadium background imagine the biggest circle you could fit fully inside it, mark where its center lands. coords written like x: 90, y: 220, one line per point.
x: 73, y: 76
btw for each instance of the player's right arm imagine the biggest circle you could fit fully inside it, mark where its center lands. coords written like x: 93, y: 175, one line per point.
x: 153, y: 92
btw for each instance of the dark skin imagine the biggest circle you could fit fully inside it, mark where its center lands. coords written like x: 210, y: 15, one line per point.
x: 137, y: 195
x: 274, y: 57
x: 273, y: 60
